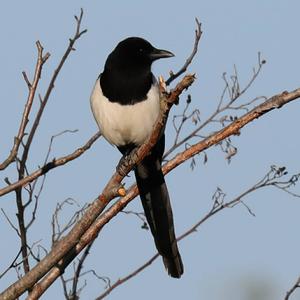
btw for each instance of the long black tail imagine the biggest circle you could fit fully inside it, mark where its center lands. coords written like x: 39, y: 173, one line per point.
x: 158, y: 211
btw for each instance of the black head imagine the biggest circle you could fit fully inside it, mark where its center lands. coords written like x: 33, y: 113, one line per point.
x: 127, y: 75
x: 136, y: 52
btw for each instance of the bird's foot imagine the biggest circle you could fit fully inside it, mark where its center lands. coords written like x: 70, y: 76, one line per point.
x: 127, y: 161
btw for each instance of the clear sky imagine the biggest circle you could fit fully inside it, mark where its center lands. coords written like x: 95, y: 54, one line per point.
x: 233, y: 256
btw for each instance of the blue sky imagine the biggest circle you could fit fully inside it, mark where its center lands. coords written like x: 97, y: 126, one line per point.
x: 233, y: 253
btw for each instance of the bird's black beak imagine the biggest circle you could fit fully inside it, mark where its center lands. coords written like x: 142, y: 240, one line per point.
x: 160, y: 53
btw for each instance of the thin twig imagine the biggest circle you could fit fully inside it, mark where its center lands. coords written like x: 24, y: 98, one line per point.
x: 292, y: 290
x: 139, y: 215
x: 189, y: 60
x: 234, y: 94
x: 126, y: 278
x: 57, y: 229
x: 78, y: 270
x: 32, y: 89
x: 44, y: 100
x: 217, y: 206
x: 12, y: 265
x: 50, y: 165
x: 10, y: 222
x: 53, y: 137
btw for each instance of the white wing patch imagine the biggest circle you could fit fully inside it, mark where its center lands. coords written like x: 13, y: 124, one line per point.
x: 123, y: 124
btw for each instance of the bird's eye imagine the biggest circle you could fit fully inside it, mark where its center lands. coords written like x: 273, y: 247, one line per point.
x: 141, y: 50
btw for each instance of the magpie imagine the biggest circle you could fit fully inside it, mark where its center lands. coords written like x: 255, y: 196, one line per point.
x: 125, y: 102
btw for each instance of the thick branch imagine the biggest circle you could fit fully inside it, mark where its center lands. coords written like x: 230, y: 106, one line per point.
x: 63, y: 160
x: 93, y: 231
x: 276, y: 101
x: 234, y: 128
x: 66, y: 246
x: 218, y: 205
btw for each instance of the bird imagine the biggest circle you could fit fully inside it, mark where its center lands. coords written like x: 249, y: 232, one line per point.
x: 125, y: 102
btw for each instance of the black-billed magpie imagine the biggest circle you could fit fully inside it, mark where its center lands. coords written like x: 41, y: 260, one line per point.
x: 126, y: 103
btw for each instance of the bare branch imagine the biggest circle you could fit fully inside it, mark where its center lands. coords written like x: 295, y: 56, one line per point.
x: 12, y: 265
x: 32, y: 89
x: 49, y: 166
x: 292, y: 290
x: 139, y: 215
x: 189, y: 60
x: 22, y: 164
x: 126, y: 278
x: 53, y: 137
x: 45, y: 99
x: 234, y: 128
x: 183, y: 117
x: 91, y: 233
x: 26, y: 80
x: 10, y: 222
x: 62, y: 249
x: 64, y: 284
x: 218, y: 205
x: 59, y: 230
x: 234, y: 91
x: 78, y: 271
x: 22, y: 230
x: 33, y: 186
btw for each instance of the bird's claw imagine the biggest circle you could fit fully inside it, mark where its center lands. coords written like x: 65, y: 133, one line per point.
x: 126, y: 161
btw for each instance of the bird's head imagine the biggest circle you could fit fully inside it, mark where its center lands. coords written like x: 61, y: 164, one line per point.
x: 136, y: 52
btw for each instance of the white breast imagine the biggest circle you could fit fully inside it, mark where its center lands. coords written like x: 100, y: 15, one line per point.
x: 123, y: 124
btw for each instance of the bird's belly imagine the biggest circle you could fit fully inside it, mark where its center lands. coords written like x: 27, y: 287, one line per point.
x: 124, y: 124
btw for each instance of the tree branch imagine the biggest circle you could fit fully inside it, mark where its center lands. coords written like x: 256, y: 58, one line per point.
x: 32, y: 89
x: 78, y: 271
x: 49, y: 166
x: 44, y: 100
x: 92, y: 232
x: 218, y: 205
x: 234, y: 128
x: 66, y: 246
x: 292, y: 290
x: 198, y: 34
x: 234, y: 91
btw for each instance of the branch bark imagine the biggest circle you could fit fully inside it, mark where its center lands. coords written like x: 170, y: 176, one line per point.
x: 67, y: 245
x: 270, y: 179
x: 32, y: 90
x: 92, y: 232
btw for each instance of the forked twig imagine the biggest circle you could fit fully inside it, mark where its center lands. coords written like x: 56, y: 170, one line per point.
x: 189, y: 60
